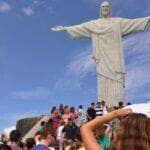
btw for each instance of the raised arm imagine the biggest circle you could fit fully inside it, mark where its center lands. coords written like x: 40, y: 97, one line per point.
x: 134, y: 25
x: 74, y: 32
x: 87, y: 129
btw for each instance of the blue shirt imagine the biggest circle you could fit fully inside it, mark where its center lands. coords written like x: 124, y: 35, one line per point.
x: 41, y: 147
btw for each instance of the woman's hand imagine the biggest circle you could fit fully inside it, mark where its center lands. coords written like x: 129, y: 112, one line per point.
x: 121, y: 112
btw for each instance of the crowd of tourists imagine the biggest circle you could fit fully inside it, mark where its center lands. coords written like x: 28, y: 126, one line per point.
x: 97, y: 127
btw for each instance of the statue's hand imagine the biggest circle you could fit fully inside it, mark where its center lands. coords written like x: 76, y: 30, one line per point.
x: 58, y: 28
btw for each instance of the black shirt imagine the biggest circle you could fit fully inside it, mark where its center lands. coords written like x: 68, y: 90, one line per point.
x: 91, y: 113
x: 70, y: 131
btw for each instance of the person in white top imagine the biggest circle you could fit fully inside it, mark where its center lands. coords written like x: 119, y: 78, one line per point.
x: 105, y: 110
x: 81, y: 116
x: 60, y: 135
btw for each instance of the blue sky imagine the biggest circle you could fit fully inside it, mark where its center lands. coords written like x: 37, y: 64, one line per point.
x: 40, y: 68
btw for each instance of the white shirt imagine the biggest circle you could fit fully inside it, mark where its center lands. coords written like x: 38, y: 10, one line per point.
x: 60, y: 134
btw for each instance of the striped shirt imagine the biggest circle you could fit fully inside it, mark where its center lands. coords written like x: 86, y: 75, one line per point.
x: 99, y: 111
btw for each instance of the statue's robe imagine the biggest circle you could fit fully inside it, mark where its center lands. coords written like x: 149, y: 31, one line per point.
x: 106, y: 35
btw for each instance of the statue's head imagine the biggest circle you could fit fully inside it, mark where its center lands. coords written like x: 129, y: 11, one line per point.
x: 105, y: 10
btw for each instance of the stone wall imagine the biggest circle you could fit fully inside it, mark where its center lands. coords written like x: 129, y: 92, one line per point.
x: 24, y: 125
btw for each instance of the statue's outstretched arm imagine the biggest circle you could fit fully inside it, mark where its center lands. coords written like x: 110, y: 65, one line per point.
x: 134, y: 25
x: 59, y: 28
x: 75, y: 31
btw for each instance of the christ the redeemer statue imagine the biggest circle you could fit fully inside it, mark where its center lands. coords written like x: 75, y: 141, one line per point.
x: 106, y: 34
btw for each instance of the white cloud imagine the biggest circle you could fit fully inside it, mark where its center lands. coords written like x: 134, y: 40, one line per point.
x: 28, y: 7
x: 137, y: 77
x: 137, y: 66
x: 4, y: 7
x: 137, y: 60
x: 35, y: 5
x: 37, y: 93
x: 78, y: 68
x: 9, y: 129
x: 28, y: 11
x: 81, y: 64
